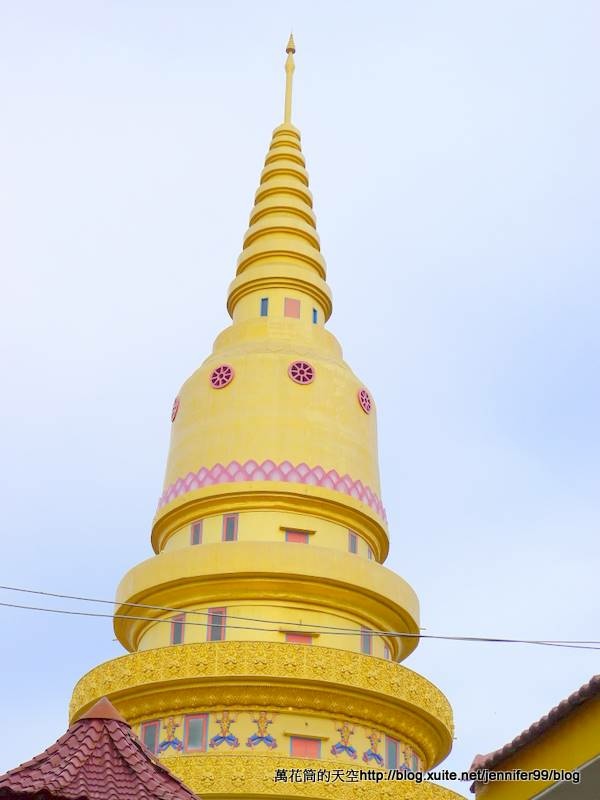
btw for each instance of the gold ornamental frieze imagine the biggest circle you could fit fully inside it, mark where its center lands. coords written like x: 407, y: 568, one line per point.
x: 321, y: 681
x: 226, y: 776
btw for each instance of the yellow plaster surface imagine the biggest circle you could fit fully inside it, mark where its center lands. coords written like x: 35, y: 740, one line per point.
x: 300, y: 618
x: 265, y: 525
x: 313, y: 504
x: 262, y: 414
x: 220, y: 573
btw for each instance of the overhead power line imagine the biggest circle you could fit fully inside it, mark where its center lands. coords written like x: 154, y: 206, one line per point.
x: 332, y: 630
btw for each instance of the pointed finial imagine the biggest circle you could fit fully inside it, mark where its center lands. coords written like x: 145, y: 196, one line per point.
x: 289, y: 73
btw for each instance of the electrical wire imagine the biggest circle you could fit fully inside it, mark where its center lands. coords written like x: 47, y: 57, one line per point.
x: 183, y: 610
x: 565, y: 643
x: 329, y: 628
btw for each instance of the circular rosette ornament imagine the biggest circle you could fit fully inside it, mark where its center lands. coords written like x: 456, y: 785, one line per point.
x: 221, y: 376
x: 364, y: 399
x: 301, y: 372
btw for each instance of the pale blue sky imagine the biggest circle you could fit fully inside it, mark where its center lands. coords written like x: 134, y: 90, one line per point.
x: 453, y: 155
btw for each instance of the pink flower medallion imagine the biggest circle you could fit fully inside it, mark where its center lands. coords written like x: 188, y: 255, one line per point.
x: 364, y: 398
x: 175, y: 408
x: 221, y: 376
x: 301, y: 372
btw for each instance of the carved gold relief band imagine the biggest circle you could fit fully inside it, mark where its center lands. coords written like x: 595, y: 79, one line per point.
x: 320, y: 681
x: 241, y: 776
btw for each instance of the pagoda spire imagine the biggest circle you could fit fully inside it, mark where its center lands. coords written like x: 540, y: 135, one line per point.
x: 281, y: 246
x: 271, y: 511
x: 290, y: 66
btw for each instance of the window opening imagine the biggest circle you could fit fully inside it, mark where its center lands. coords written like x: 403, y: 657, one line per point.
x: 195, y: 732
x: 215, y: 631
x: 177, y: 629
x: 365, y: 641
x: 197, y: 533
x: 150, y: 735
x: 230, y: 528
x: 391, y: 752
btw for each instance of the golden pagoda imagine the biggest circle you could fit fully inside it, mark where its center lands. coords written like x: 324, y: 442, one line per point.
x: 265, y: 634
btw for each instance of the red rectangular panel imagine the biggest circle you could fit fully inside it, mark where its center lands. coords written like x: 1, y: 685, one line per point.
x: 305, y: 748
x: 296, y: 536
x: 299, y: 638
x: 291, y: 307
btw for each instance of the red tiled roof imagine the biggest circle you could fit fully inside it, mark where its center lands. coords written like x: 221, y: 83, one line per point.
x: 98, y: 758
x: 559, y: 712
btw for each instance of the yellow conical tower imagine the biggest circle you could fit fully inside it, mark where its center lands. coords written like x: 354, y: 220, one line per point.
x: 261, y: 656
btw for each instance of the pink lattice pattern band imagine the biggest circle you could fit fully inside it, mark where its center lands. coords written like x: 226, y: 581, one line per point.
x: 269, y: 471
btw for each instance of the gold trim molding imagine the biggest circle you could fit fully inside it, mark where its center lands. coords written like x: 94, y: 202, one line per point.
x: 267, y: 571
x: 252, y: 496
x: 273, y: 276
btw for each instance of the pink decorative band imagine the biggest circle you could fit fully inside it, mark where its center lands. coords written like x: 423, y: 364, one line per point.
x: 269, y: 471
